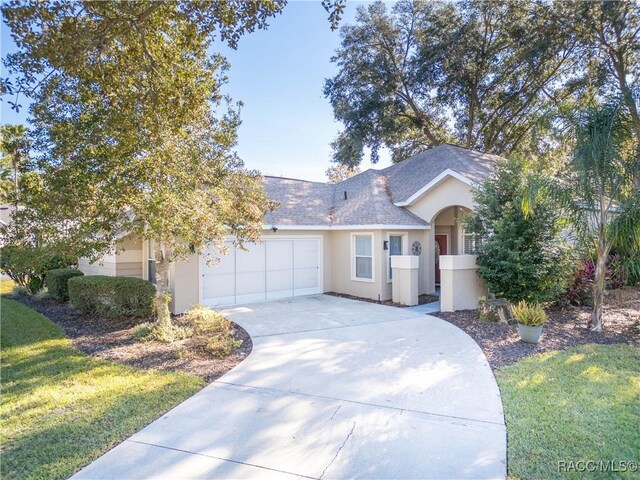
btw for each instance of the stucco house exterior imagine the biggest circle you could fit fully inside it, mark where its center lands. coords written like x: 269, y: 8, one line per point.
x: 333, y: 237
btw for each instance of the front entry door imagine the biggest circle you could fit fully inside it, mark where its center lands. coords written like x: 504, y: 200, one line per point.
x: 441, y: 249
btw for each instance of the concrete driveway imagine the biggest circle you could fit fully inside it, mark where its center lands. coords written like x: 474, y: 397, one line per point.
x: 334, y: 388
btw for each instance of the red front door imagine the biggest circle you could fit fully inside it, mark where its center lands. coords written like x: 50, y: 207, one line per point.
x: 441, y: 249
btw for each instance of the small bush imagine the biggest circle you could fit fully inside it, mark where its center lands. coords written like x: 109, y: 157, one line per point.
x: 161, y: 333
x: 112, y: 297
x: 211, y: 331
x: 57, y: 279
x: 27, y: 265
x: 530, y: 314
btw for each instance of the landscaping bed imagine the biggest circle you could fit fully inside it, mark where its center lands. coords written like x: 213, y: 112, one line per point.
x: 113, y: 339
x: 565, y: 328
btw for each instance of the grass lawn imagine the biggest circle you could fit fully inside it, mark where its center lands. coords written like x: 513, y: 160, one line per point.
x: 61, y: 409
x: 580, y: 404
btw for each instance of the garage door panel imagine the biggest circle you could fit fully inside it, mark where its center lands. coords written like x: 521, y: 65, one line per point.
x: 279, y: 284
x: 305, y: 279
x: 276, y: 268
x: 251, y: 260
x: 305, y: 254
x: 279, y: 254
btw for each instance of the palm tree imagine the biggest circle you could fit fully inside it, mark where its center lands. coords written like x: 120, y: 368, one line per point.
x: 600, y: 195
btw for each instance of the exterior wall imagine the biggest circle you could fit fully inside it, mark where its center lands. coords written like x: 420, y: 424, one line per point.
x: 461, y: 287
x: 127, y: 262
x: 342, y: 265
x: 380, y: 288
x: 422, y: 237
x: 184, y: 284
x: 448, y: 193
x: 438, y: 207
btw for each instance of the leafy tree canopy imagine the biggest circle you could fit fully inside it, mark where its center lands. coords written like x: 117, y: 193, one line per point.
x: 131, y: 133
x: 486, y: 75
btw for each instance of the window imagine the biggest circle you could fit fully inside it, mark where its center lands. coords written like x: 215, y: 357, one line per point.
x: 151, y: 262
x: 471, y: 242
x: 395, y: 248
x: 363, y: 257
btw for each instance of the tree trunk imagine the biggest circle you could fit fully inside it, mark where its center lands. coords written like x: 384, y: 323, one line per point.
x: 600, y: 276
x: 595, y: 322
x: 162, y: 286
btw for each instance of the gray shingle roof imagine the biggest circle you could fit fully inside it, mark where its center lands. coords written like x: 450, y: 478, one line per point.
x: 370, y: 195
x: 409, y: 176
x: 301, y: 202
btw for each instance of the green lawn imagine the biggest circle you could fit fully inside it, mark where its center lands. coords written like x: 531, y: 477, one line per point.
x: 61, y: 409
x: 577, y: 405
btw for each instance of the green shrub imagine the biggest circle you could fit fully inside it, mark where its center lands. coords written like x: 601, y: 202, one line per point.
x: 530, y: 314
x: 520, y: 255
x: 211, y: 331
x: 164, y: 332
x: 27, y: 265
x: 56, y: 281
x: 112, y: 297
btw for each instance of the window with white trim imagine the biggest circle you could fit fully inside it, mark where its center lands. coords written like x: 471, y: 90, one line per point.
x: 151, y: 261
x: 471, y: 241
x: 395, y: 248
x: 363, y: 251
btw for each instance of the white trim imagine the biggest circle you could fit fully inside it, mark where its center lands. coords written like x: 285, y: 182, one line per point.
x: 379, y: 226
x: 353, y: 257
x: 433, y: 183
x: 405, y: 249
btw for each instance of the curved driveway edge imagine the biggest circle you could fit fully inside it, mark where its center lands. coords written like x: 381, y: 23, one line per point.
x: 334, y: 388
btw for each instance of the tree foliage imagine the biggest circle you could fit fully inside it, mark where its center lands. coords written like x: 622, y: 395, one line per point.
x: 486, y: 75
x: 521, y: 255
x: 338, y: 172
x: 598, y: 191
x: 14, y: 161
x: 132, y: 133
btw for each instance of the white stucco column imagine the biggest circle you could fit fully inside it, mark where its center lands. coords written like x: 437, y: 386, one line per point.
x: 460, y: 286
x: 404, y: 286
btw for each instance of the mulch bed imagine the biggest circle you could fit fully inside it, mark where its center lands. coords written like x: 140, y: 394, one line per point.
x: 112, y: 340
x: 565, y: 328
x: 422, y: 299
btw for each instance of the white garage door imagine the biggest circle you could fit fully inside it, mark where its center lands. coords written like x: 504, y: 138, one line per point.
x: 276, y: 268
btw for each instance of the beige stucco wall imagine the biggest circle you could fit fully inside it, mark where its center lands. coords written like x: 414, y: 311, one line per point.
x: 461, y: 287
x: 380, y: 288
x: 436, y: 208
x: 447, y: 193
x: 342, y: 265
x: 127, y: 261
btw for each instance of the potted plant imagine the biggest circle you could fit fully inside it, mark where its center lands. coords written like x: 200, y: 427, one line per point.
x: 530, y: 317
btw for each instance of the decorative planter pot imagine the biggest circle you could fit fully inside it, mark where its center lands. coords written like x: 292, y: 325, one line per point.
x: 529, y: 334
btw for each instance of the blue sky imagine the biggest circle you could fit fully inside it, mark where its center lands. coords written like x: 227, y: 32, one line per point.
x: 278, y: 73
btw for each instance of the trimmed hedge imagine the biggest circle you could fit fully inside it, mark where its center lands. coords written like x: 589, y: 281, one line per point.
x: 56, y: 282
x: 112, y: 297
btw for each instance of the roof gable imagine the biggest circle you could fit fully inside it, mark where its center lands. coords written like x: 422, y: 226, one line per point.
x: 374, y: 197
